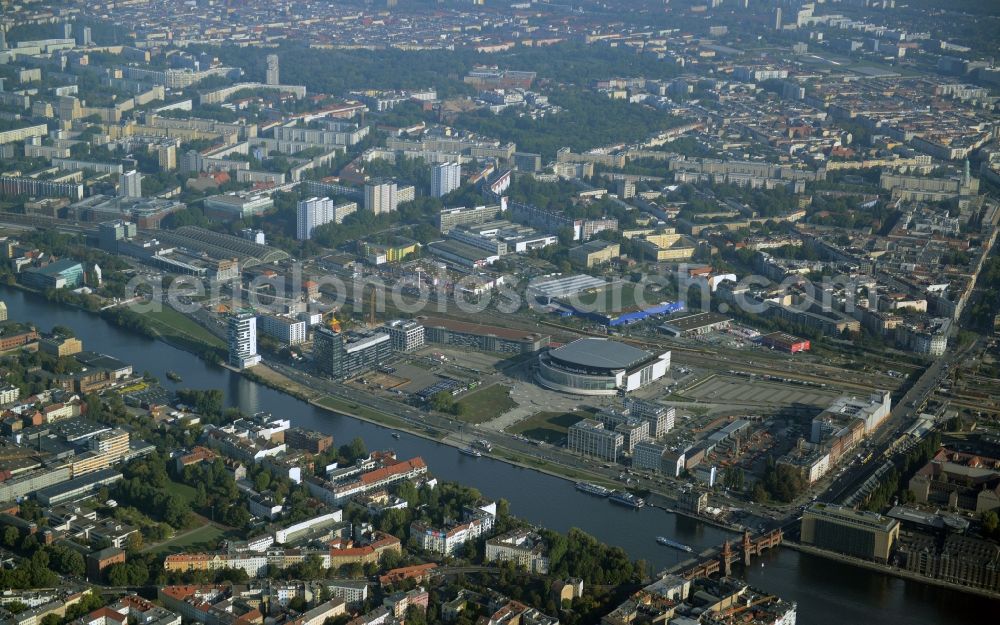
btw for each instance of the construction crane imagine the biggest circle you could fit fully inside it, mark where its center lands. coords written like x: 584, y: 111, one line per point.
x: 332, y: 323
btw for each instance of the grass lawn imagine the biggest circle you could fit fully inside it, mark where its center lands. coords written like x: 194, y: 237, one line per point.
x: 172, y: 323
x: 621, y: 296
x: 485, y: 404
x: 185, y: 492
x: 205, y: 537
x: 550, y: 427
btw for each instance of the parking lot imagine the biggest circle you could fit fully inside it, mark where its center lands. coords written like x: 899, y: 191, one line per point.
x: 723, y: 389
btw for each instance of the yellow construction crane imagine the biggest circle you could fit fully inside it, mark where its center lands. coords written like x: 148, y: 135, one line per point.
x: 332, y: 322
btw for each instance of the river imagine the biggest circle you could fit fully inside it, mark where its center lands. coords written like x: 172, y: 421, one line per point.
x: 827, y: 592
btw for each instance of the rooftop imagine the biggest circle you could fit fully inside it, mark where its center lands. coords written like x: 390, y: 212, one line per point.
x: 696, y: 320
x: 477, y: 328
x: 596, y: 352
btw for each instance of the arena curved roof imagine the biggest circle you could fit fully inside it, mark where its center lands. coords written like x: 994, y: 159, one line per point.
x: 600, y: 353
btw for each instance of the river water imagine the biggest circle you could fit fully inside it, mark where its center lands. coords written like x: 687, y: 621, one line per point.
x: 827, y: 592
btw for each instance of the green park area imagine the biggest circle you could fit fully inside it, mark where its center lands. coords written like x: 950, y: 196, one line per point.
x: 171, y: 324
x: 550, y: 427
x: 485, y: 404
x: 206, y: 537
x: 621, y: 296
x: 185, y: 492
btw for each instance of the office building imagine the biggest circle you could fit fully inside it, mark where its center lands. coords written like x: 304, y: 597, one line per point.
x: 315, y: 212
x: 86, y: 38
x: 242, y: 338
x: 273, y: 74
x: 393, y: 251
x: 445, y: 178
x: 380, y: 196
x: 109, y: 233
x: 481, y: 337
x: 527, y: 161
x: 648, y: 455
x: 288, y: 330
x: 61, y: 274
x: 341, y: 356
x: 450, y: 218
x: 242, y: 205
x: 590, y: 438
x: 405, y: 335
x: 308, y: 440
x: 60, y: 346
x: 958, y: 480
x: 130, y: 184
x: 594, y: 252
x: 871, y: 411
x: 856, y: 533
x: 99, y: 561
x: 674, y: 462
x: 961, y: 560
x: 693, y: 501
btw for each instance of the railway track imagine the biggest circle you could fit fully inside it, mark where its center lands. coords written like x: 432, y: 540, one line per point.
x: 704, y: 356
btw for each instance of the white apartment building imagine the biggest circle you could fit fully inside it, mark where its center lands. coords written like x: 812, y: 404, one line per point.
x: 273, y: 76
x: 288, y: 330
x: 522, y: 547
x: 447, y: 541
x: 315, y: 212
x: 242, y: 338
x: 445, y: 178
x: 130, y: 184
x: 381, y: 196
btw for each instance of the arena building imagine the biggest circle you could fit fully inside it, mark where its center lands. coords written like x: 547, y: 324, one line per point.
x: 595, y: 366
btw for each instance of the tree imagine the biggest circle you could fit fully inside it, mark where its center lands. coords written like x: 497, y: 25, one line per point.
x: 733, y: 478
x: 262, y: 480
x: 759, y: 493
x: 237, y: 516
x: 443, y: 401
x: 207, y: 403
x: 200, y: 495
x: 10, y: 536
x: 990, y: 522
x: 297, y: 603
x: 66, y: 561
x: 355, y: 450
x: 134, y: 542
x: 15, y: 607
x: 416, y: 615
x: 117, y: 574
x: 783, y: 482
